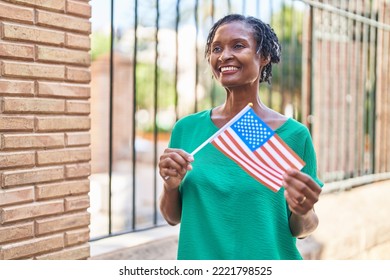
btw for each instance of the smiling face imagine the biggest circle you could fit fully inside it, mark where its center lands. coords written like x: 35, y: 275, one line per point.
x: 233, y: 57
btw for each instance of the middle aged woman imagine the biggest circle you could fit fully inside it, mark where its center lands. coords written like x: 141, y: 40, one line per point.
x: 225, y: 213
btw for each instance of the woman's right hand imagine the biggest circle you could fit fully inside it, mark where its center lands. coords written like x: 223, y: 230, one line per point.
x: 173, y: 166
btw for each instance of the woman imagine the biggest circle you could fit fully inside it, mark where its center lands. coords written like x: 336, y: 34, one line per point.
x: 225, y: 213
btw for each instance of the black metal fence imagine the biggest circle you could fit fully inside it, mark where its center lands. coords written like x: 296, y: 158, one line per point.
x: 152, y: 72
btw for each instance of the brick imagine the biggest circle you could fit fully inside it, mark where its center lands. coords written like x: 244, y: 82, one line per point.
x: 78, y: 107
x: 32, y: 247
x: 60, y: 55
x: 62, y: 189
x: 63, y: 90
x: 29, y: 176
x: 78, y: 41
x: 61, y: 223
x: 57, y: 5
x: 33, y: 105
x: 78, y: 236
x: 23, y: 141
x: 81, y: 75
x: 33, y: 70
x: 77, y: 170
x: 16, y: 13
x: 63, y: 156
x: 16, y: 51
x: 78, y: 139
x: 8, y: 160
x: 78, y: 8
x: 32, y: 210
x: 16, y: 87
x: 75, y: 253
x: 20, y: 195
x: 16, y: 232
x: 16, y: 123
x: 63, y: 123
x: 63, y: 22
x: 33, y: 34
x: 76, y: 203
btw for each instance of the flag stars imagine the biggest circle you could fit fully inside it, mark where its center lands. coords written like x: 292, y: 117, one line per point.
x: 252, y: 130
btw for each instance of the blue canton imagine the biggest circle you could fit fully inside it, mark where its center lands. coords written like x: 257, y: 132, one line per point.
x: 252, y: 130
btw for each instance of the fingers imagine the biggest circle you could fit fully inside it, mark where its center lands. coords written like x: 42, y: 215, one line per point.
x: 174, y: 163
x: 301, y: 191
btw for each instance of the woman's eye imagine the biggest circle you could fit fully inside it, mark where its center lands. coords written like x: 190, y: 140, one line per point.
x: 216, y: 49
x: 238, y: 46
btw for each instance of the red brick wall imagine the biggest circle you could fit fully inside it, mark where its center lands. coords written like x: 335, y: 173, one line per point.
x: 44, y: 129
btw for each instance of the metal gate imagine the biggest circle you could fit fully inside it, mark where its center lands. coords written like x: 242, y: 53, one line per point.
x: 148, y: 71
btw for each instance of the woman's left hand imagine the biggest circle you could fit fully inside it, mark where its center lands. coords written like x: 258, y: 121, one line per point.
x: 301, y: 191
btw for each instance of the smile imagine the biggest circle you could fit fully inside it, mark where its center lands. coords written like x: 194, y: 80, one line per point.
x: 228, y: 68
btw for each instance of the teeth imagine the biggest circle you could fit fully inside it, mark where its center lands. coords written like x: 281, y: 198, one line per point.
x: 229, y: 68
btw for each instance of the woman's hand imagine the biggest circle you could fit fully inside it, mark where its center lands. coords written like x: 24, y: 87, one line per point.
x: 301, y: 191
x: 173, y: 166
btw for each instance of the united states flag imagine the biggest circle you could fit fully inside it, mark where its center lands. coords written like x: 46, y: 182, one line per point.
x: 254, y: 146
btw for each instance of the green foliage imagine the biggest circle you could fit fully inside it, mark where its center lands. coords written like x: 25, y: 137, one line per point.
x: 100, y: 44
x: 288, y: 25
x: 146, y: 87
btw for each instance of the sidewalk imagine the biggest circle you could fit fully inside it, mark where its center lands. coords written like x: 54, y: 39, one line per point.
x: 354, y: 224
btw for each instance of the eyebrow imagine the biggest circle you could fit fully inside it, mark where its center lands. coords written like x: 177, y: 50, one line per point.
x: 232, y: 40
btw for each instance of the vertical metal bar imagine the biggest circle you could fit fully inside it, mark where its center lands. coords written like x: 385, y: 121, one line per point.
x: 110, y: 141
x: 333, y: 102
x: 293, y: 57
x: 365, y: 79
x: 229, y: 4
x: 134, y: 110
x: 213, y: 81
x: 322, y: 96
x: 372, y: 108
x: 349, y: 98
x: 196, y: 55
x: 357, y: 99
x: 312, y: 76
x: 380, y: 96
x: 283, y: 63
x: 269, y: 95
x: 386, y: 47
x: 341, y: 97
x: 155, y: 131
x: 177, y: 57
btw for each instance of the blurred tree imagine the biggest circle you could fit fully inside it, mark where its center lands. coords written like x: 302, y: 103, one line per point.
x: 100, y: 44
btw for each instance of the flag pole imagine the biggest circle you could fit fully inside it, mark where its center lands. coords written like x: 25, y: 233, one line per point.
x: 242, y: 112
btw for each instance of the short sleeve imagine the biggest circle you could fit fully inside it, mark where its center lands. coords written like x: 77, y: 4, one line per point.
x: 311, y: 161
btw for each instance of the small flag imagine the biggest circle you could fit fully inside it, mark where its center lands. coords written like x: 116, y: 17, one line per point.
x: 256, y: 148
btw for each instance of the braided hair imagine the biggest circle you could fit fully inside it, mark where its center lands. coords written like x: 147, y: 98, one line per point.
x: 265, y: 37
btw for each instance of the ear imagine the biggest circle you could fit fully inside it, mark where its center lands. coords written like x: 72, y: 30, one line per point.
x: 265, y: 60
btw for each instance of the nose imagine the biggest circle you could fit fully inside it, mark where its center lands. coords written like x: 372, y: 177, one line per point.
x: 225, y: 55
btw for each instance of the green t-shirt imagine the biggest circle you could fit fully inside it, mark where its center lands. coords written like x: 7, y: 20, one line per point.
x: 226, y: 214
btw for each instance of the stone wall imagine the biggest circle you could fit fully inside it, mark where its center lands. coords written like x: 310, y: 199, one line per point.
x: 44, y: 129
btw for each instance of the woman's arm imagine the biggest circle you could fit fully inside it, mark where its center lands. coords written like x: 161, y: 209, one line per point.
x: 173, y: 165
x: 303, y: 225
x: 170, y: 205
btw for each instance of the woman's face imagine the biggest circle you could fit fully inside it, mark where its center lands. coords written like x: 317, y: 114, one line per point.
x: 233, y: 58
